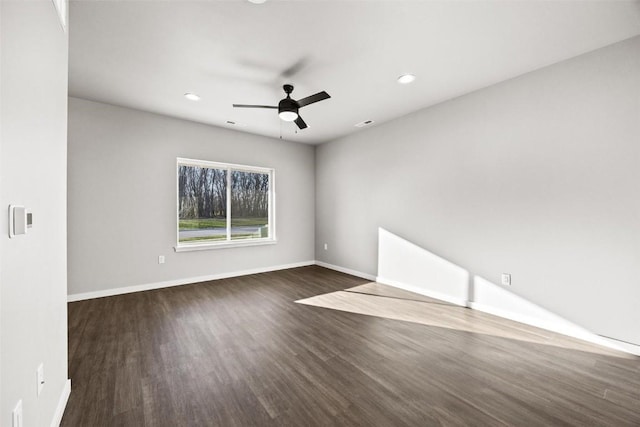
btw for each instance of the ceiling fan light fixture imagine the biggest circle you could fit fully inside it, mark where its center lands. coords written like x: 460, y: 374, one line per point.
x: 192, y: 96
x: 288, y: 116
x: 406, y: 79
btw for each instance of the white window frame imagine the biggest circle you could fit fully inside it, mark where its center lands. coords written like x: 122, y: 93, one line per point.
x: 228, y: 243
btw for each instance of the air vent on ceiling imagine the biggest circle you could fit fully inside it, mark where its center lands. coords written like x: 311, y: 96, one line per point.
x: 365, y: 123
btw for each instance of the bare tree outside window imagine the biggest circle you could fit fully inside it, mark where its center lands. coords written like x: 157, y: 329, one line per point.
x: 202, y: 203
x: 212, y: 211
x: 249, y: 205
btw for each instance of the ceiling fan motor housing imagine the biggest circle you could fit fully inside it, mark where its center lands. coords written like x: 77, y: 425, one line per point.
x: 288, y: 104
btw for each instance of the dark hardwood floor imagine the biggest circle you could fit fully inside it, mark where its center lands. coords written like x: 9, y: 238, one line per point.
x: 241, y: 352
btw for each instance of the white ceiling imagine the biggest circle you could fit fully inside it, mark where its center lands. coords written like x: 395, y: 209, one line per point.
x: 147, y: 54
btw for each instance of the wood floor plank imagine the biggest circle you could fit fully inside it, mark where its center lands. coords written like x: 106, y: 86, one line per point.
x: 447, y: 316
x: 241, y: 352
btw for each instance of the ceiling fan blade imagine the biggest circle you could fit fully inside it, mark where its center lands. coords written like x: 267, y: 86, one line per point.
x: 301, y: 124
x: 313, y: 98
x: 253, y: 106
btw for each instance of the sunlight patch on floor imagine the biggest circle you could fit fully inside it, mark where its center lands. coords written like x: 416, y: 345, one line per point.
x: 374, y: 299
x: 381, y: 290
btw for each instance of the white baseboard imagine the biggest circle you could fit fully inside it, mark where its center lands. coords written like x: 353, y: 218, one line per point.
x: 621, y: 345
x: 561, y: 328
x: 179, y: 282
x: 421, y: 291
x: 517, y: 317
x: 191, y: 280
x: 576, y: 332
x: 346, y: 270
x: 62, y: 404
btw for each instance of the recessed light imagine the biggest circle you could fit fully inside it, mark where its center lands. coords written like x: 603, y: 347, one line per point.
x: 257, y: 1
x: 192, y: 96
x: 406, y: 78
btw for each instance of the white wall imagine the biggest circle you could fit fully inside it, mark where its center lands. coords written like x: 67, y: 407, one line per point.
x: 33, y: 117
x: 122, y: 197
x: 536, y: 176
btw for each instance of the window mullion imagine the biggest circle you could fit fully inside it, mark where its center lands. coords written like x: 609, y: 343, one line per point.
x: 228, y: 204
x: 270, y: 207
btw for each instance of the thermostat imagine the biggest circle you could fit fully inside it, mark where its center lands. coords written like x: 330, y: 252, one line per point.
x: 20, y: 220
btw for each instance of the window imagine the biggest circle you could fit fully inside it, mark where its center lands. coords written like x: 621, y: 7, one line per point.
x: 222, y: 205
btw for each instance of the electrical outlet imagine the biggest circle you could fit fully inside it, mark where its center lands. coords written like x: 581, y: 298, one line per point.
x: 506, y: 279
x: 40, y: 378
x: 161, y: 259
x: 326, y: 247
x: 17, y: 415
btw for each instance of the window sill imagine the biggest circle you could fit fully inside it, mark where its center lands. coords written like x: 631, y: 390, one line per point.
x: 185, y: 247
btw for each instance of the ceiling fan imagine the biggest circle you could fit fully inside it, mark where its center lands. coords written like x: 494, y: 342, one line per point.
x: 288, y: 108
